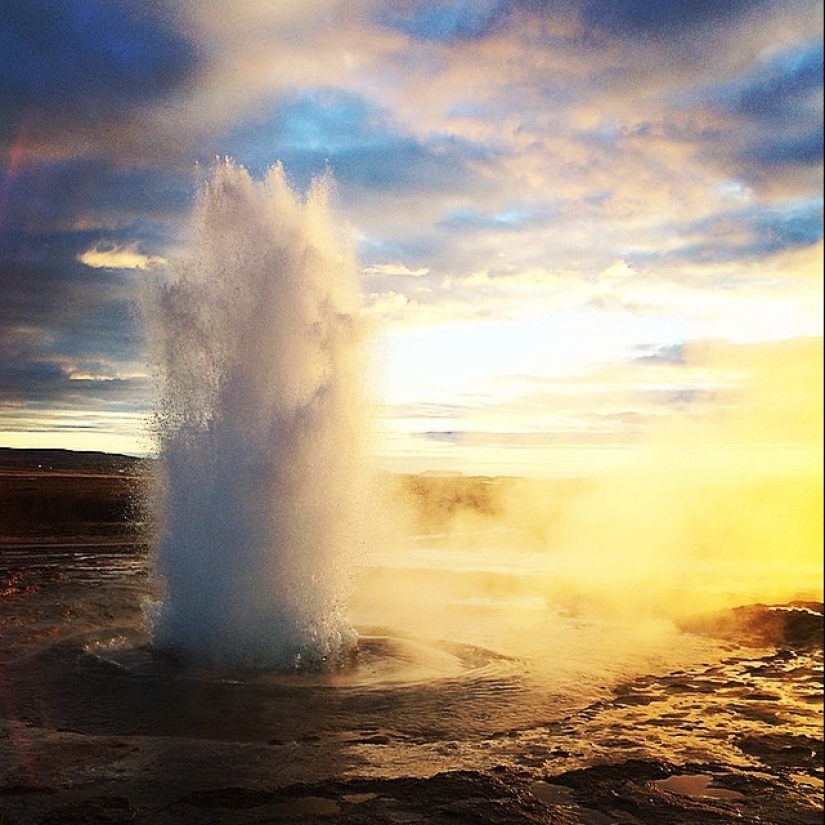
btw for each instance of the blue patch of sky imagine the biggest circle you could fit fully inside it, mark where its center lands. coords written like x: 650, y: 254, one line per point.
x: 799, y: 224
x: 512, y: 219
x: 446, y: 21
x: 320, y: 129
x: 604, y: 136
x: 424, y: 250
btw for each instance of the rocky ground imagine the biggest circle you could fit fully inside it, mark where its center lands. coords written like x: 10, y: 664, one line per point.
x: 737, y: 740
x: 719, y: 744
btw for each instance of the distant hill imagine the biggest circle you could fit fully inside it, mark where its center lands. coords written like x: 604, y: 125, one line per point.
x: 48, y: 494
x: 15, y: 458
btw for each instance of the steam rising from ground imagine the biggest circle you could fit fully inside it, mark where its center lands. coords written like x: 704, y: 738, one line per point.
x: 260, y: 430
x: 723, y: 506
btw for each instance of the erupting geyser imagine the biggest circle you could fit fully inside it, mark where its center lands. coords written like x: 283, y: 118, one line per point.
x: 260, y: 430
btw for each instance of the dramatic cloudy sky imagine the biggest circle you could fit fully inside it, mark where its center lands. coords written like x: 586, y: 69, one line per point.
x: 581, y: 225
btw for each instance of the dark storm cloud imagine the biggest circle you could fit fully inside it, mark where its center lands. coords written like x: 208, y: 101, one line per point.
x: 786, y: 150
x: 41, y: 384
x: 788, y: 85
x: 75, y: 77
x: 46, y: 381
x: 452, y: 21
x: 28, y: 380
x: 321, y: 129
x: 60, y: 319
x: 660, y: 18
x: 85, y: 191
x: 79, y: 60
x: 77, y: 305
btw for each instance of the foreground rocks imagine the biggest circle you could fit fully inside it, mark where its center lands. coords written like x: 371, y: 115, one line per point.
x: 629, y: 793
x: 714, y: 745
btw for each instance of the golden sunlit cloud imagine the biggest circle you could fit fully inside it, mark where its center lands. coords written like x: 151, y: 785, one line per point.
x: 119, y: 257
x: 396, y: 269
x: 79, y: 375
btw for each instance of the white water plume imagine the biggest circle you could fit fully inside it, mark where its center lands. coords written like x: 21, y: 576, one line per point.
x: 261, y: 428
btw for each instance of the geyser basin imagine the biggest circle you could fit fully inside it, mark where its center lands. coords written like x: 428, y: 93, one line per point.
x: 260, y: 430
x: 380, y: 662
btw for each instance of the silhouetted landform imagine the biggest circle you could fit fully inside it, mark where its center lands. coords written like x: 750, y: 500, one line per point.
x: 796, y: 625
x: 56, y: 492
x: 44, y: 492
x: 73, y: 461
x: 63, y: 492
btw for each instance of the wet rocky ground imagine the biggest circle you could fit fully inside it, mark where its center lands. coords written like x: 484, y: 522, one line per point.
x: 735, y: 739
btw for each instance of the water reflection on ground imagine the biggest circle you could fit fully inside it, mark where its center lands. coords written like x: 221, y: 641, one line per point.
x: 487, y: 712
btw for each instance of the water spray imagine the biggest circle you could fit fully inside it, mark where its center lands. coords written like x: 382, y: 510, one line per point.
x: 260, y: 428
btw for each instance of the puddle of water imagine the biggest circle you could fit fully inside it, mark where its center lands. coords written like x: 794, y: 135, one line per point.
x: 306, y: 806
x: 552, y: 794
x: 696, y: 784
x: 358, y: 798
x: 558, y: 796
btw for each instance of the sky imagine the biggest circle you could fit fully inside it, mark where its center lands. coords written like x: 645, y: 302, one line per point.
x: 582, y: 226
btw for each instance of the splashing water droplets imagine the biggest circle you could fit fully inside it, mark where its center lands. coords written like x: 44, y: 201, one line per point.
x: 260, y: 430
